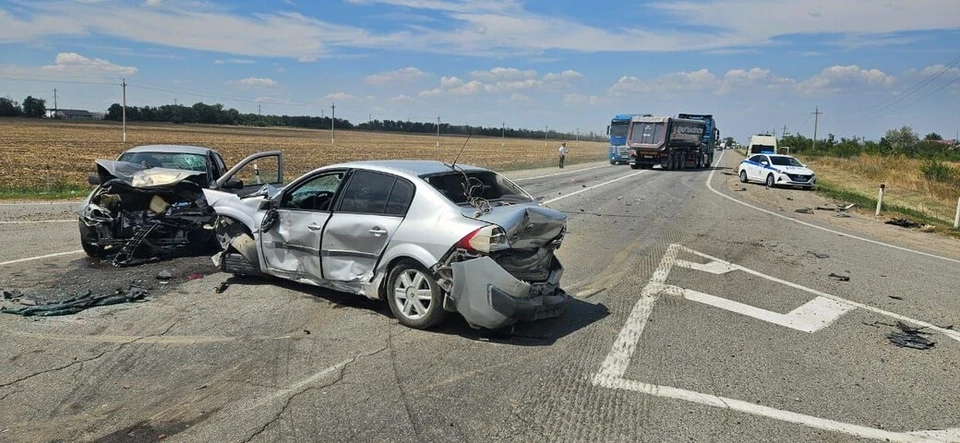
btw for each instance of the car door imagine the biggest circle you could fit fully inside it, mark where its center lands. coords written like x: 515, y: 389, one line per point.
x: 370, y: 210
x: 291, y: 243
x: 751, y: 167
x: 251, y: 173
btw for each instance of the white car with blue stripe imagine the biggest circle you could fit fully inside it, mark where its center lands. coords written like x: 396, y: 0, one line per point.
x: 776, y: 170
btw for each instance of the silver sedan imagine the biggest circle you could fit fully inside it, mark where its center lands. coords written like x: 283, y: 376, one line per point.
x: 427, y: 237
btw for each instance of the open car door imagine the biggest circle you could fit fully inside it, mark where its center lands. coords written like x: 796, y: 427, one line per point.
x: 251, y: 173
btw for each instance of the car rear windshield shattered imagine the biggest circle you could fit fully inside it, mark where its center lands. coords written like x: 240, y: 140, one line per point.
x: 486, y: 185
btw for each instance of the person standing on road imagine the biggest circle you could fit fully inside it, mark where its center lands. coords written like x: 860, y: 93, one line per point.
x: 563, y: 153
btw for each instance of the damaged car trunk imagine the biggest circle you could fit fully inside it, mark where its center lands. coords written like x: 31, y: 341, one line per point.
x: 141, y: 213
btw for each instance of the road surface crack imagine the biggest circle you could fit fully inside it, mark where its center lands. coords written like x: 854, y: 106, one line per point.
x: 81, y: 362
x: 403, y: 392
x: 341, y: 370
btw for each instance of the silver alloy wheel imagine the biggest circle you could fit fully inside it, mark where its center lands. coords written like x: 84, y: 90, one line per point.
x: 410, y: 291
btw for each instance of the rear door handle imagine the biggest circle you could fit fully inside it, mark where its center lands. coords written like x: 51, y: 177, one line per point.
x: 378, y: 231
x: 314, y: 227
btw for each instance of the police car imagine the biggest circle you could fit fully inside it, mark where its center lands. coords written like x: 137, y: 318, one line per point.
x: 776, y: 170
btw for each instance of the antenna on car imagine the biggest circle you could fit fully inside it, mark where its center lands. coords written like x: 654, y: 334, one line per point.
x: 454, y: 164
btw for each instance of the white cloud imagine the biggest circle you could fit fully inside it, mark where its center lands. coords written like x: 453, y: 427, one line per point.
x: 403, y: 75
x: 234, y: 61
x: 565, y: 76
x: 255, y: 82
x: 344, y: 97
x: 753, y: 79
x: 504, y: 74
x: 520, y: 98
x: 678, y: 82
x: 71, y: 63
x: 836, y: 79
x: 581, y: 99
x: 403, y: 98
x: 152, y: 2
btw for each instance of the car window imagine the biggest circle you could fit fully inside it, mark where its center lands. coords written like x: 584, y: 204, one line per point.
x: 455, y: 186
x: 261, y: 171
x: 316, y: 194
x: 400, y: 198
x: 756, y: 158
x: 367, y: 192
x: 219, y: 166
x: 785, y: 161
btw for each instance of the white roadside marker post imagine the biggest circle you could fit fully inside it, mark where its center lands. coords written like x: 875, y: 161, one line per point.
x: 956, y: 218
x: 880, y: 198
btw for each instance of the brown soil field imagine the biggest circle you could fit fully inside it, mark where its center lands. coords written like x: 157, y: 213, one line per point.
x: 68, y: 149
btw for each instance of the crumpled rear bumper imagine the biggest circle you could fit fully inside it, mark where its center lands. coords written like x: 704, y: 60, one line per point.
x: 489, y: 297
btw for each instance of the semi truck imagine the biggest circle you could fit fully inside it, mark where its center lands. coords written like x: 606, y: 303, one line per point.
x: 671, y: 142
x: 618, y: 151
x: 711, y: 136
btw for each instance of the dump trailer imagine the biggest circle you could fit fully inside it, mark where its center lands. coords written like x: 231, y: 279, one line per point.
x: 711, y: 134
x: 671, y: 142
x: 618, y: 152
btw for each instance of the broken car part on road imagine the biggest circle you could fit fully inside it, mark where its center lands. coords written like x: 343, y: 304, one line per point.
x: 75, y: 304
x: 426, y: 237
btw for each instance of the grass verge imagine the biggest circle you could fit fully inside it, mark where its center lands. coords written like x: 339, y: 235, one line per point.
x: 868, y: 203
x: 59, y: 191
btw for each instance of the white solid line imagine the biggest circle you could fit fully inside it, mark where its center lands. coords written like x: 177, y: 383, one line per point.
x: 592, y: 187
x: 27, y: 222
x: 901, y: 248
x: 41, y: 257
x: 558, y: 173
x: 43, y: 203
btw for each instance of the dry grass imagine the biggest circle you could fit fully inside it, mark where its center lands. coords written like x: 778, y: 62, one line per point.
x: 28, y: 147
x: 905, y: 183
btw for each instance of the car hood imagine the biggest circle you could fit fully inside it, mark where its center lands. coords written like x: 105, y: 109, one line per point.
x: 138, y: 176
x: 526, y: 225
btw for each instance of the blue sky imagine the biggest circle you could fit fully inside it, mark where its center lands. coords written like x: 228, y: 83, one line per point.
x: 757, y: 65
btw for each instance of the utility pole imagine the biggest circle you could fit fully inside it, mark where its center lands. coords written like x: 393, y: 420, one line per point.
x: 816, y: 123
x: 175, y: 101
x: 546, y: 129
x: 123, y: 84
x: 784, y: 133
x: 578, y: 136
x: 438, y: 131
x: 503, y: 126
x: 333, y: 118
x: 259, y: 110
x: 55, y: 108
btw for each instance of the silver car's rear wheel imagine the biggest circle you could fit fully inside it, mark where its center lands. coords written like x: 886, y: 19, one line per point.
x: 414, y: 296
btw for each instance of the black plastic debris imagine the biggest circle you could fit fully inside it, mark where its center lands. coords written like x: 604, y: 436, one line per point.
x: 839, y: 277
x: 77, y: 303
x: 741, y: 189
x: 841, y: 215
x: 818, y: 255
x: 895, y: 297
x: 221, y: 287
x: 910, y: 337
x: 903, y: 223
x: 11, y: 294
x: 804, y: 211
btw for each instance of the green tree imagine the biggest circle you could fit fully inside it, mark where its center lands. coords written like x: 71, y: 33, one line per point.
x: 933, y: 136
x: 903, y: 140
x: 34, y: 107
x: 9, y: 107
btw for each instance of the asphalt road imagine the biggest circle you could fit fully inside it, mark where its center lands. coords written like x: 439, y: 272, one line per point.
x: 695, y: 319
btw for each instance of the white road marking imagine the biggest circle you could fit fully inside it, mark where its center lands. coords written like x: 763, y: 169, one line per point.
x: 27, y: 222
x: 901, y: 248
x: 43, y: 203
x: 611, y: 372
x: 592, y: 187
x: 558, y: 173
x: 40, y: 257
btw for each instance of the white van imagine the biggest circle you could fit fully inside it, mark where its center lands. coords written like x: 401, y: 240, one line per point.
x: 762, y: 144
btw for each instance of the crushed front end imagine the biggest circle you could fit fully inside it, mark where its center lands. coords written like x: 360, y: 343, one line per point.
x: 139, y: 219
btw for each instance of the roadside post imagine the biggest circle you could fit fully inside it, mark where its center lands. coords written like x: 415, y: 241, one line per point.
x: 48, y: 179
x: 956, y: 217
x: 880, y: 198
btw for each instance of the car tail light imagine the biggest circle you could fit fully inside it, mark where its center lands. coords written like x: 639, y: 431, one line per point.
x: 486, y: 239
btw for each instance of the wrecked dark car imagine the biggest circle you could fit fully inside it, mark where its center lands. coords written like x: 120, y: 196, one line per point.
x: 426, y: 237
x: 150, y: 203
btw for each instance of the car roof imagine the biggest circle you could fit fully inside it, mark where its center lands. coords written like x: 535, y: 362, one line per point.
x: 184, y: 149
x: 416, y: 168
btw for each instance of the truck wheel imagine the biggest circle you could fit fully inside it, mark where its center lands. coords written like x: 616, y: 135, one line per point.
x: 634, y: 165
x: 682, y: 160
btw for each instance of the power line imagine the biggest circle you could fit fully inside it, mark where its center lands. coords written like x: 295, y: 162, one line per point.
x: 944, y: 86
x: 886, y: 104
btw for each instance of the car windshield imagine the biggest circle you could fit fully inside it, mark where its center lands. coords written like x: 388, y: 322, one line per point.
x: 483, y: 184
x: 172, y: 160
x: 785, y: 161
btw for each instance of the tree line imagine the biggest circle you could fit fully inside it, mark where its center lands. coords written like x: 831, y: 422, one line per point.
x: 903, y: 141
x: 217, y: 114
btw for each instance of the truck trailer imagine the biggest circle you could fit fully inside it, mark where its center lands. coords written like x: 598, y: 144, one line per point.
x: 711, y: 136
x: 671, y: 142
x: 618, y: 152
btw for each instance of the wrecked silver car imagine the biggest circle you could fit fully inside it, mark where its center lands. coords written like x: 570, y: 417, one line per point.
x: 426, y: 237
x: 149, y: 202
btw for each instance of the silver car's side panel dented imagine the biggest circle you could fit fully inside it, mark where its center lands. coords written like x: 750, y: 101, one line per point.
x: 352, y: 244
x: 488, y: 296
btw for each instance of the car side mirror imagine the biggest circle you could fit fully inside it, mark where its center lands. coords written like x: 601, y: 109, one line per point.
x: 233, y: 183
x: 93, y: 179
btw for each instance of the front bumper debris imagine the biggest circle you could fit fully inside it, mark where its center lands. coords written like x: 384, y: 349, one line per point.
x: 487, y: 296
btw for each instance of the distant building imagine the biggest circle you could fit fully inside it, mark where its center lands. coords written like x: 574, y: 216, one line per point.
x: 74, y: 114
